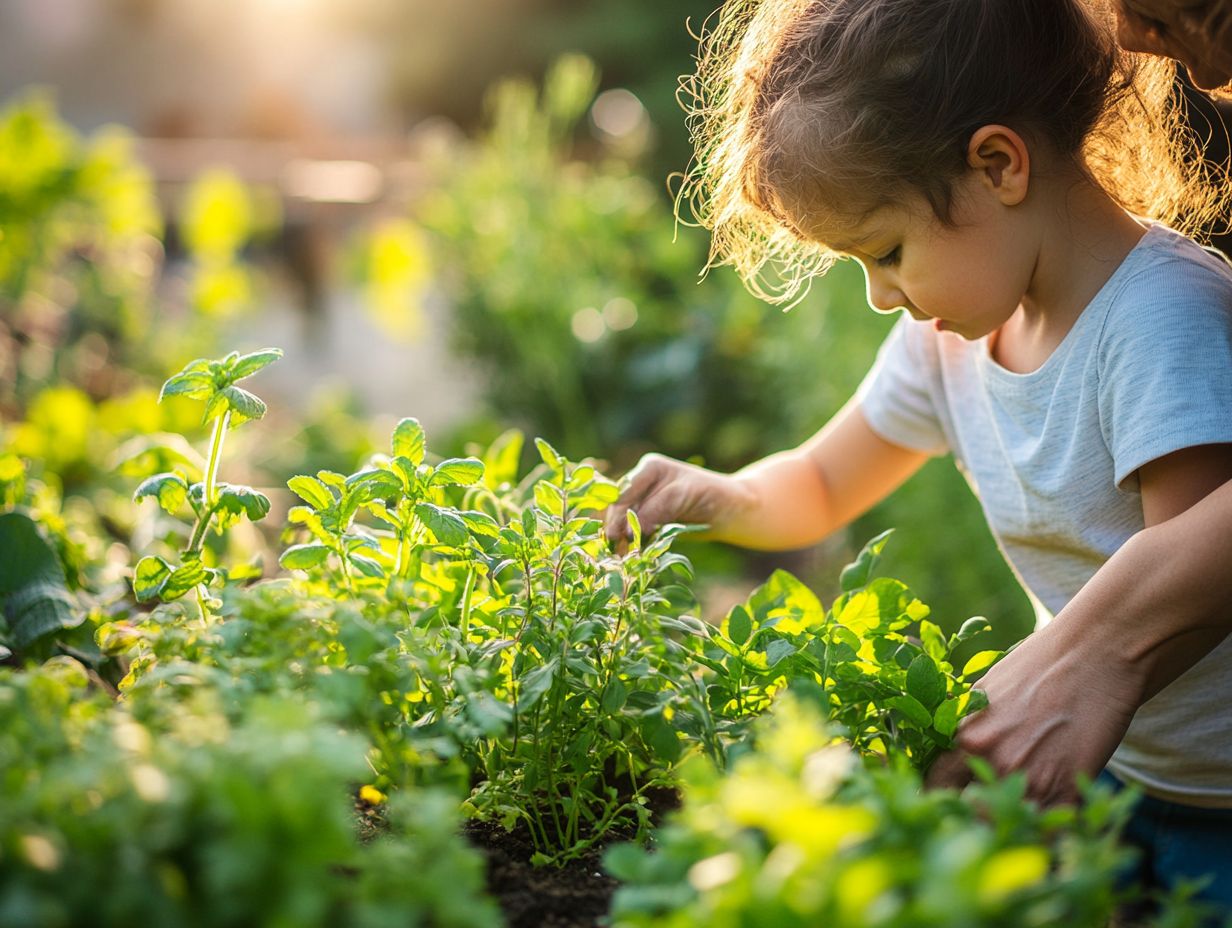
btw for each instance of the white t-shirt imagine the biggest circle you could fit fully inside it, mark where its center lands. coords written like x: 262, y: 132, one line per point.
x: 1052, y: 455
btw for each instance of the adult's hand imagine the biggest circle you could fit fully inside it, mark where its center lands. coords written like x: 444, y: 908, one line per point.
x: 1061, y: 701
x: 1055, y: 709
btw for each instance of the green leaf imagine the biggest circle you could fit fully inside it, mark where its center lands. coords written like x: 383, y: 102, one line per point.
x: 190, y: 574
x: 375, y: 483
x: 150, y: 577
x: 615, y: 696
x: 243, y: 405
x: 599, y: 494
x: 480, y: 523
x: 912, y: 708
x: 952, y: 711
x: 778, y: 650
x: 738, y: 626
x: 408, y: 441
x: 501, y: 460
x: 535, y: 684
x: 976, y: 625
x: 462, y: 472
x: 33, y: 587
x: 635, y: 530
x: 332, y: 479
x: 171, y: 491
x: 303, y: 557
x: 979, y: 662
x: 933, y: 640
x: 235, y: 501
x: 860, y: 571
x: 196, y: 385
x: 447, y: 526
x: 548, y: 498
x: 312, y: 491
x: 975, y: 701
x: 550, y: 456
x: 248, y: 364
x: 945, y: 719
x: 926, y: 682
x: 661, y: 738
x: 367, y: 566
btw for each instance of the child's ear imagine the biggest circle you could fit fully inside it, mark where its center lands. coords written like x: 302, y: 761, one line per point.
x: 1002, y: 157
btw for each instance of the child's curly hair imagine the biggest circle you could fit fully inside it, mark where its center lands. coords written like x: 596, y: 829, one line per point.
x: 847, y: 105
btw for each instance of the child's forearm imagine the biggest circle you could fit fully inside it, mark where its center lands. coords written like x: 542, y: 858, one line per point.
x: 796, y: 498
x: 784, y: 505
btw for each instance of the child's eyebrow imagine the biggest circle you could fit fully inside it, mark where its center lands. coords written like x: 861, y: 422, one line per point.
x: 856, y: 243
x: 848, y: 247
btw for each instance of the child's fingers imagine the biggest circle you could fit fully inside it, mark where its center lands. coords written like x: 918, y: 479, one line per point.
x: 637, y: 487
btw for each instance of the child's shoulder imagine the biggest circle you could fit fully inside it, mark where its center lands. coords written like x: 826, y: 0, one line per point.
x: 1169, y: 290
x: 1168, y: 260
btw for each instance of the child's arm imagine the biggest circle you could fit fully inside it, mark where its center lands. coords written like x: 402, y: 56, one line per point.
x: 1061, y: 702
x: 787, y: 500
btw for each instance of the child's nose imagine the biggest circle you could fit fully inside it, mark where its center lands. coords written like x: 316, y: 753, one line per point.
x: 883, y: 296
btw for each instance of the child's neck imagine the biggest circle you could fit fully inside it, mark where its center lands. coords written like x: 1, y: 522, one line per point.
x: 1084, y: 235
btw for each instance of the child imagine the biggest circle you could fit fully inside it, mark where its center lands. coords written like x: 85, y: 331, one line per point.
x: 986, y: 162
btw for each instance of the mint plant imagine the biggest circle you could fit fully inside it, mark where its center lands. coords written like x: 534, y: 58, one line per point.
x: 401, y: 491
x: 212, y: 502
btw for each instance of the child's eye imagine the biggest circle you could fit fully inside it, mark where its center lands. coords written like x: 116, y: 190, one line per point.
x: 890, y: 259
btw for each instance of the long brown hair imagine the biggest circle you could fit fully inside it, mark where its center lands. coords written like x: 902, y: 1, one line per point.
x: 853, y: 103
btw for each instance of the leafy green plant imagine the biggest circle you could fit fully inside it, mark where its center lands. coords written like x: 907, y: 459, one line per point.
x: 496, y: 628
x: 34, y: 592
x: 400, y: 491
x: 212, y: 502
x: 798, y: 833
x: 559, y: 682
x: 890, y: 694
x: 452, y: 613
x: 107, y: 821
x: 581, y: 684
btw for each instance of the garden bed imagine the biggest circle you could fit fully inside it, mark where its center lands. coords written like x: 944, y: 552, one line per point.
x: 458, y: 638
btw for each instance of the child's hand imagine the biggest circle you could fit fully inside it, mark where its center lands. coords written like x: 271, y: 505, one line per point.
x: 662, y: 490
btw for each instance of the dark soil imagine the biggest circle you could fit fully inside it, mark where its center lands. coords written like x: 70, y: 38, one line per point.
x: 575, y: 895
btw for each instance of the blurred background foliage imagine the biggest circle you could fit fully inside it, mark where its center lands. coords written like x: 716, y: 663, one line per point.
x: 539, y: 242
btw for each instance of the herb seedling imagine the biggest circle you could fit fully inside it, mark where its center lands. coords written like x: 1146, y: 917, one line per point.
x: 212, y: 502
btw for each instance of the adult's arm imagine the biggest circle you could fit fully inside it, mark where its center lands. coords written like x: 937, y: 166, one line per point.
x: 1062, y: 700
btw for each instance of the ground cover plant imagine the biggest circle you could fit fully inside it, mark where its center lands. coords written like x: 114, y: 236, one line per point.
x: 798, y: 833
x: 454, y: 638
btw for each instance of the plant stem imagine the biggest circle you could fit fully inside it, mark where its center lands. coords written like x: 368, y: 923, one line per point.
x: 211, y: 470
x: 467, y: 591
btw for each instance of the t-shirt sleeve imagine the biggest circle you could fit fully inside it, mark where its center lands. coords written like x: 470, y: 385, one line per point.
x: 1165, y: 365
x: 896, y: 396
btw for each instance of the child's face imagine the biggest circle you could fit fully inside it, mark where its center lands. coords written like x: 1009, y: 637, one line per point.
x: 968, y: 278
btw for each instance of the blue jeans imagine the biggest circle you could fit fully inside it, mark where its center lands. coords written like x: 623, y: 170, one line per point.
x: 1180, y: 843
